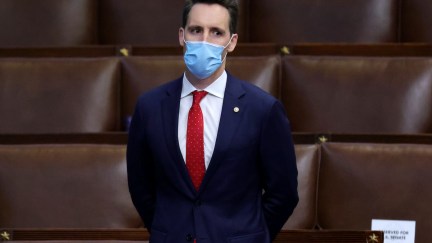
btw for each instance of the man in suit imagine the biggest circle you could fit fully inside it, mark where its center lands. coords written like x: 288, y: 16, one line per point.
x: 210, y: 157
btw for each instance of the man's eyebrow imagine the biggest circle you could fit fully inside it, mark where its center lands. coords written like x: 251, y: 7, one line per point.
x: 218, y: 29
x: 194, y: 27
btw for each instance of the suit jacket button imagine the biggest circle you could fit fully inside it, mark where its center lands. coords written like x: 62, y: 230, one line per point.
x: 189, y: 237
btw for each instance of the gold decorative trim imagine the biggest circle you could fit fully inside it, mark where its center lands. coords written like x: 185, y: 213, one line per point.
x: 373, y: 238
x: 5, y: 236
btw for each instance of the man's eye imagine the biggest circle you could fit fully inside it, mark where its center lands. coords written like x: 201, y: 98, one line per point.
x: 195, y: 31
x: 217, y: 33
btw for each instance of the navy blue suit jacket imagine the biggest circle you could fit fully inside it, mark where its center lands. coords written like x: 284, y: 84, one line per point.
x: 250, y: 186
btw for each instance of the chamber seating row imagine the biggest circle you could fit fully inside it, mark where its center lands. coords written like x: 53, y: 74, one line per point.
x: 242, y: 49
x: 101, y: 22
x: 338, y: 94
x: 342, y: 185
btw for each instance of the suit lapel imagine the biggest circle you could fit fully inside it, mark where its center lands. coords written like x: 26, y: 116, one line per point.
x: 170, y: 115
x: 230, y: 119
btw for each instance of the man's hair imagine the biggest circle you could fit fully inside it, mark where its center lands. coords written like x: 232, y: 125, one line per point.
x: 230, y: 5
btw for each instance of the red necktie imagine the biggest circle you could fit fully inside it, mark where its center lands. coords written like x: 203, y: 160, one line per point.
x: 195, y: 140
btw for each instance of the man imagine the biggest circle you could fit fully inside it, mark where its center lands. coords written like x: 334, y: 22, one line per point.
x: 216, y: 165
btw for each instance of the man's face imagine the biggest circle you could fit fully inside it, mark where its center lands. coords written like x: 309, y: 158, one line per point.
x: 207, y: 22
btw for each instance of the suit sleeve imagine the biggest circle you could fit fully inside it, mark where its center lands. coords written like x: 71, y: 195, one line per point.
x: 140, y: 169
x: 278, y: 160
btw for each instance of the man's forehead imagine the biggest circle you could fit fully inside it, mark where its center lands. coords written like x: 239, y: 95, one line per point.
x: 209, y: 15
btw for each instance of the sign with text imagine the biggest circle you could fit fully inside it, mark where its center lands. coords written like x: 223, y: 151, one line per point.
x: 395, y: 231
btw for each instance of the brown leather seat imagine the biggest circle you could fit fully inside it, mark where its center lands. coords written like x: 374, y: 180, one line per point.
x: 358, y: 94
x: 139, y: 22
x: 68, y: 95
x: 359, y: 182
x: 354, y: 21
x: 304, y: 215
x: 65, y: 186
x: 48, y: 22
x: 136, y: 22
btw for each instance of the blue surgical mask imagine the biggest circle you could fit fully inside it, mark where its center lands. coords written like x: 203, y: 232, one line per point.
x: 203, y: 58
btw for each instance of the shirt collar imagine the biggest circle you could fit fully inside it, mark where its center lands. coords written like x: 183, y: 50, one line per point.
x: 217, y: 88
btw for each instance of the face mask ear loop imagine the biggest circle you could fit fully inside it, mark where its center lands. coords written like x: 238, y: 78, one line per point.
x: 184, y: 41
x: 229, y: 42
x: 223, y: 60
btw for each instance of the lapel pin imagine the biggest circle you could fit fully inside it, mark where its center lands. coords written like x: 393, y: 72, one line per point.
x: 236, y: 109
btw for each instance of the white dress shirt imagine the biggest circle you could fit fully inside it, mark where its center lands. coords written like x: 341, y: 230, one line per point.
x: 211, y: 106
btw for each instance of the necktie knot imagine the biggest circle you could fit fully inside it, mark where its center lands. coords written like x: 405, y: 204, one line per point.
x: 198, y: 96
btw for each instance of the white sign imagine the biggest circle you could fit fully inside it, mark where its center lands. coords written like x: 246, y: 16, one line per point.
x: 395, y: 231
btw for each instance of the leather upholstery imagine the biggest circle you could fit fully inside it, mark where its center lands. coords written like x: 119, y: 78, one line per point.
x: 308, y: 160
x: 43, y: 95
x: 65, y: 186
x: 140, y: 22
x: 135, y: 22
x: 351, y: 21
x: 359, y: 182
x: 343, y: 186
x: 85, y: 186
x: 48, y: 22
x: 416, y: 21
x: 358, y: 94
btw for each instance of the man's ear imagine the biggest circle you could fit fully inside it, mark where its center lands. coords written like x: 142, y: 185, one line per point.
x: 233, y: 43
x: 181, y: 36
